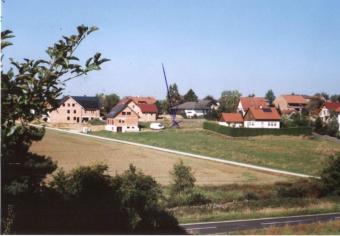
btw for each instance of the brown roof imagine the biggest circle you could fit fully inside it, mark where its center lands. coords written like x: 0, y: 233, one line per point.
x: 269, y: 113
x: 332, y: 106
x: 148, y: 108
x: 232, y: 117
x: 295, y: 99
x: 143, y: 100
x: 254, y: 102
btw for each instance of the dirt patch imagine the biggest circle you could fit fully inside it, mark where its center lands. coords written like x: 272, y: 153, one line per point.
x: 71, y: 150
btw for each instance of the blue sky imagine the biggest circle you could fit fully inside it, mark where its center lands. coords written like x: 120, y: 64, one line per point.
x: 210, y: 46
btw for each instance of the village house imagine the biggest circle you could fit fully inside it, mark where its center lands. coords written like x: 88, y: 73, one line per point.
x: 195, y: 109
x: 75, y: 109
x: 143, y: 106
x: 327, y: 109
x: 234, y: 120
x: 122, y: 118
x: 267, y: 118
x: 251, y: 102
x: 290, y: 103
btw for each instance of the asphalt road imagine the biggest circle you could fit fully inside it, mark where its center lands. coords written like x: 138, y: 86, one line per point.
x: 229, y: 226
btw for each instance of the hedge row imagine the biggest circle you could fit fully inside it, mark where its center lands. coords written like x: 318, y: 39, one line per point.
x: 241, y: 132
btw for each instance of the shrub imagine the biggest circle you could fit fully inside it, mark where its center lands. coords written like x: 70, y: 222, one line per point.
x: 182, y: 178
x: 190, y: 198
x: 300, y: 189
x: 244, y: 132
x: 251, y: 196
x: 330, y: 175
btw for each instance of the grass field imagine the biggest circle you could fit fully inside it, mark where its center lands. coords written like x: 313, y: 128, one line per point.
x: 319, y: 228
x: 296, y: 154
x: 71, y: 150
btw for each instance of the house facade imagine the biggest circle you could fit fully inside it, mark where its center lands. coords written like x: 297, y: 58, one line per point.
x: 195, y: 109
x: 251, y: 102
x: 146, y: 110
x: 122, y: 118
x: 234, y: 120
x: 327, y: 109
x: 75, y: 109
x: 290, y: 103
x: 267, y: 118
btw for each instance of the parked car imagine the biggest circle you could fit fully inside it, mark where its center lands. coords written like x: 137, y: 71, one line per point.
x: 156, y: 126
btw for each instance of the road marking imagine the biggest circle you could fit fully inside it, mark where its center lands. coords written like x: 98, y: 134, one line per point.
x: 265, y: 218
x: 212, y: 227
x: 282, y: 222
x: 250, y: 166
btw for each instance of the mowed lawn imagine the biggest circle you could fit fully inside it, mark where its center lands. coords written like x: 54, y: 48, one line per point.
x: 296, y: 154
x: 72, y: 150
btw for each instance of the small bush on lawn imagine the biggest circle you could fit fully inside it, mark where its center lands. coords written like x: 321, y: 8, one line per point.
x: 330, y: 176
x: 251, y: 196
x: 191, y: 198
x: 182, y: 189
x: 300, y: 189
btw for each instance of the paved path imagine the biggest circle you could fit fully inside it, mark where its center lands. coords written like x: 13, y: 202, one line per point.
x: 230, y: 226
x: 327, y: 137
x: 250, y: 166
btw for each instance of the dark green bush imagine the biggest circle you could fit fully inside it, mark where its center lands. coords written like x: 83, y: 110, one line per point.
x: 300, y: 189
x: 244, y: 132
x: 190, y: 198
x: 330, y: 176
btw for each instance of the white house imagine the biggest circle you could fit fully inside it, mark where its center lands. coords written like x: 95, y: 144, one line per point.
x: 251, y: 102
x: 195, y: 109
x: 327, y: 109
x: 231, y: 120
x: 267, y: 118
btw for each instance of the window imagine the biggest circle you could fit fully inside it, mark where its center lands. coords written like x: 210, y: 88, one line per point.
x: 68, y: 104
x: 68, y: 111
x: 73, y: 104
x: 68, y: 118
x: 123, y: 113
x: 128, y: 127
x: 74, y: 111
x: 128, y: 113
x: 63, y: 104
x: 74, y: 118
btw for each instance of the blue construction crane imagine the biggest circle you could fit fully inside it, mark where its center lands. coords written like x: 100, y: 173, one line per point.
x: 171, y: 111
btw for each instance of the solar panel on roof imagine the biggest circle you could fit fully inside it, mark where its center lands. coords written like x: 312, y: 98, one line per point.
x: 266, y: 110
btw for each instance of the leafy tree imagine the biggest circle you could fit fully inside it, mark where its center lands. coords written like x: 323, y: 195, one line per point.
x: 29, y: 90
x: 318, y: 125
x: 333, y: 126
x: 210, y: 98
x: 174, y: 96
x: 335, y: 98
x: 229, y: 101
x: 126, y: 203
x: 182, y: 177
x: 322, y: 94
x: 107, y: 101
x: 270, y: 96
x: 190, y: 96
x: 330, y: 175
x: 314, y: 104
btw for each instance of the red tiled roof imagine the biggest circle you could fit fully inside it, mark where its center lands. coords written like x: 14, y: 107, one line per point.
x: 148, y: 108
x: 232, y: 117
x: 332, y: 106
x: 143, y: 100
x: 254, y: 102
x: 295, y: 99
x: 265, y: 113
